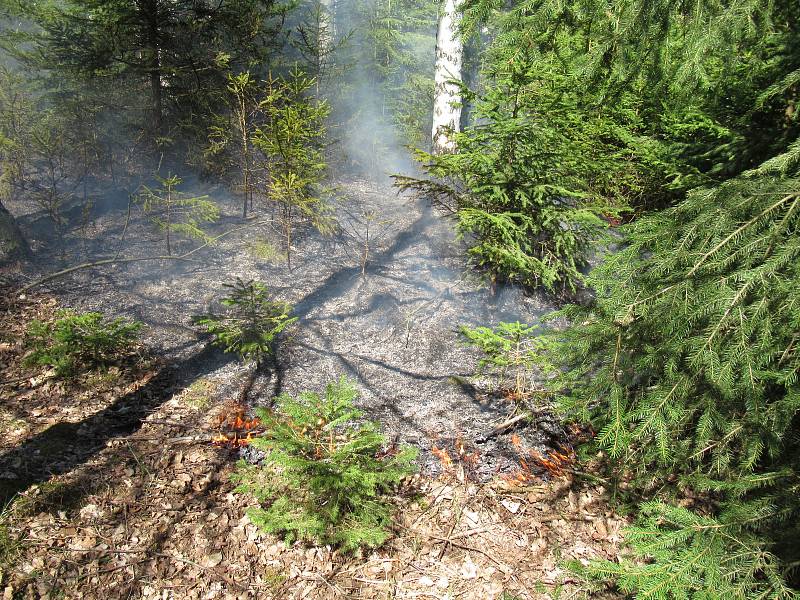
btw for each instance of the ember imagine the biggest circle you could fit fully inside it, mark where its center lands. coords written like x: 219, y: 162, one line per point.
x: 555, y: 462
x: 459, y: 458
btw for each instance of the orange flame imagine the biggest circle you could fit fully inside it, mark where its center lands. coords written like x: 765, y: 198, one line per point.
x: 556, y: 463
x: 443, y: 457
x: 241, y: 428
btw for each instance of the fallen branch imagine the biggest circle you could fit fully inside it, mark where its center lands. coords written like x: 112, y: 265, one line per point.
x: 175, y: 440
x: 99, y: 263
x: 122, y: 260
x: 450, y: 542
x: 506, y: 425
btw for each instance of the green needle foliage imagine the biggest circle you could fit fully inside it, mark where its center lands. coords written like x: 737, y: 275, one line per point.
x: 512, y: 349
x: 515, y: 189
x: 293, y: 139
x: 252, y: 323
x: 174, y: 212
x: 326, y: 473
x: 75, y: 343
x: 687, y: 363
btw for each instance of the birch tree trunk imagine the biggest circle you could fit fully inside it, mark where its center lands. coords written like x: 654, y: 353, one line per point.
x: 329, y: 22
x: 447, y: 97
x: 326, y: 42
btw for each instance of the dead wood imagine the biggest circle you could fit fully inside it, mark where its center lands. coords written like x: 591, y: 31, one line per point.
x: 504, y: 426
x: 122, y: 260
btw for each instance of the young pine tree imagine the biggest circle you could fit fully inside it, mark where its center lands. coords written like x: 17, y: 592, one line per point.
x: 326, y: 473
x: 517, y: 184
x: 231, y: 137
x: 252, y: 323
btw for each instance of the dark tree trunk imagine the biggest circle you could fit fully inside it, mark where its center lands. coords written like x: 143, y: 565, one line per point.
x: 151, y: 10
x: 12, y: 244
x: 155, y: 85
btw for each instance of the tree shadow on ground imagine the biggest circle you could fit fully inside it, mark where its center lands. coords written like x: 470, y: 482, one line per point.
x: 64, y: 446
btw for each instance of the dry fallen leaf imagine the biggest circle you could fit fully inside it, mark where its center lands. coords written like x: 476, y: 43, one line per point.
x: 212, y: 560
x: 469, y: 570
x: 90, y: 511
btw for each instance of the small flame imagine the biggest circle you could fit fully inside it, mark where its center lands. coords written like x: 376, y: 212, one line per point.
x: 443, y: 456
x: 556, y: 462
x: 232, y: 441
x: 460, y: 456
x: 241, y: 429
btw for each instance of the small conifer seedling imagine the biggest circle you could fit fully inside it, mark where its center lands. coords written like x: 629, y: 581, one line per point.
x: 326, y: 475
x: 76, y: 342
x: 514, y: 351
x: 252, y: 322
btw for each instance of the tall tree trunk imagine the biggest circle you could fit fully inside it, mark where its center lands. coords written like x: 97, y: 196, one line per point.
x: 447, y: 96
x: 328, y: 25
x: 155, y: 86
x: 12, y: 243
x: 153, y: 46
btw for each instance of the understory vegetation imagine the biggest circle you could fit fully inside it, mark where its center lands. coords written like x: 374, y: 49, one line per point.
x: 327, y: 474
x: 514, y: 354
x: 685, y: 360
x: 636, y: 162
x: 252, y: 323
x: 76, y: 342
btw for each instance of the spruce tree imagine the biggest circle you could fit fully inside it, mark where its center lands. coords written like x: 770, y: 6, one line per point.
x: 686, y: 360
x: 526, y: 183
x: 326, y: 473
x: 687, y: 363
x: 292, y: 141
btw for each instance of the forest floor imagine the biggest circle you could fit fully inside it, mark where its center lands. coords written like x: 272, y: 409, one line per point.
x: 115, y: 495
x: 391, y: 324
x: 117, y: 491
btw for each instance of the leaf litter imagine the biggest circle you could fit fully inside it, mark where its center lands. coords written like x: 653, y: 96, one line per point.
x: 153, y: 515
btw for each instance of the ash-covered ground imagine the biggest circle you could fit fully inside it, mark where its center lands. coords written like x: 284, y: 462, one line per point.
x: 393, y: 328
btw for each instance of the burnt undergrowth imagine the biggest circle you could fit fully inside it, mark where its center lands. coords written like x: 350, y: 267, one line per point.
x: 391, y: 324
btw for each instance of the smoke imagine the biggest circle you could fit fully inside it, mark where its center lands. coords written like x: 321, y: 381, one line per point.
x: 373, y: 96
x: 390, y: 324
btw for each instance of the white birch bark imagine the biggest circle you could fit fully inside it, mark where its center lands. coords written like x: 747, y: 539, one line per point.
x: 327, y: 26
x: 447, y: 99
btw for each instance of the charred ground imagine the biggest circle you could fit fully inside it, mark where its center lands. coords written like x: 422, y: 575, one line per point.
x: 390, y: 324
